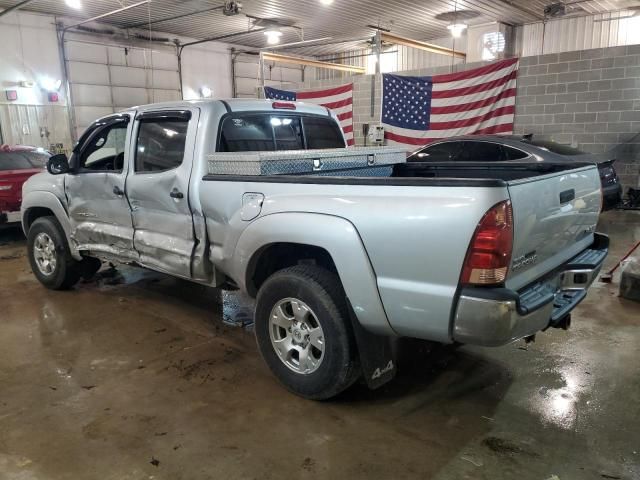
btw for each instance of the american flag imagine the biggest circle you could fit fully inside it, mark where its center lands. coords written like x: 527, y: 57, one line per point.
x: 338, y: 99
x: 418, y: 110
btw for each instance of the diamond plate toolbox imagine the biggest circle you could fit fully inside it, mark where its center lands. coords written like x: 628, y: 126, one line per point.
x: 296, y: 162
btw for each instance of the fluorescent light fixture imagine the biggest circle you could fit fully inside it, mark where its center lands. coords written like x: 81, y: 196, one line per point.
x: 273, y: 36
x: 326, y: 2
x: 50, y: 84
x: 77, y: 4
x: 206, y: 92
x: 456, y: 29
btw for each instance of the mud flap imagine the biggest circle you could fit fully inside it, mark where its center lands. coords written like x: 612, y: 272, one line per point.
x: 377, y: 357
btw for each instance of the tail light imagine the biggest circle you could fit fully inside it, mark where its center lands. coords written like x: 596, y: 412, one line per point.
x: 489, y: 253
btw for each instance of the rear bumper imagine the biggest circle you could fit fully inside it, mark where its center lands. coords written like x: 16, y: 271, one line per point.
x: 493, y: 317
x: 10, y: 217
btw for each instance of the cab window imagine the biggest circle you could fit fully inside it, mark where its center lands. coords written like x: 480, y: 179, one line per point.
x: 161, y: 144
x: 104, y: 150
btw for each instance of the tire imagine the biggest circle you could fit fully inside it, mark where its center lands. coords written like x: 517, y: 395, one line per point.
x: 320, y: 299
x: 60, y: 274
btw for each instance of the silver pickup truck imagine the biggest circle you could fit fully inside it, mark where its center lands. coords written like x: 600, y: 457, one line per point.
x: 340, y: 264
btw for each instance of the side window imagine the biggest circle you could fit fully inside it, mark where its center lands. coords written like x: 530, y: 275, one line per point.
x: 160, y: 144
x: 480, y: 152
x: 105, y: 149
x: 513, y: 153
x: 247, y: 133
x: 440, y: 152
x: 322, y: 132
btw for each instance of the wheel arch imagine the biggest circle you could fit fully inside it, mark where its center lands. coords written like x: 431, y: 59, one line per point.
x: 330, y: 241
x: 39, y: 204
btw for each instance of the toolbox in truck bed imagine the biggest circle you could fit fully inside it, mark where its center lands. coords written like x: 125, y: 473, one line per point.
x: 289, y: 162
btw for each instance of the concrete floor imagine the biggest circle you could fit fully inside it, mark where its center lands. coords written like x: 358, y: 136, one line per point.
x: 135, y: 376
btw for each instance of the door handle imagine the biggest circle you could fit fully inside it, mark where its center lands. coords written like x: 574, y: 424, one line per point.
x: 118, y: 191
x: 175, y: 193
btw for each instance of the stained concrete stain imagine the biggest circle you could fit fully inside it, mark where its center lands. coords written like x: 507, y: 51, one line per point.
x: 136, y: 375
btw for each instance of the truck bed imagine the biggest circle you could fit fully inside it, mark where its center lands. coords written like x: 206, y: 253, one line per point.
x: 417, y: 173
x: 416, y: 230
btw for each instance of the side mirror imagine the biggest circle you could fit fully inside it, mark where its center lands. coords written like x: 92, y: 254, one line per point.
x: 58, y: 164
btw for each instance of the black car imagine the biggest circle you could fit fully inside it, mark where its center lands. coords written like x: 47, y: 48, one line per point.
x: 497, y: 148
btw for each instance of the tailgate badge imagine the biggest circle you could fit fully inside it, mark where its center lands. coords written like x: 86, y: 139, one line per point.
x: 524, y: 261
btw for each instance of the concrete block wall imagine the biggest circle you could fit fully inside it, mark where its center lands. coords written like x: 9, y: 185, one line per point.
x: 589, y: 99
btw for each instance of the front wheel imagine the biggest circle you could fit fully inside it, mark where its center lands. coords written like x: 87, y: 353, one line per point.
x: 303, y: 332
x: 49, y: 255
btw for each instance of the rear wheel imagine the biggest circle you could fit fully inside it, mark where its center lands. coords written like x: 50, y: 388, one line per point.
x: 303, y: 332
x: 49, y: 255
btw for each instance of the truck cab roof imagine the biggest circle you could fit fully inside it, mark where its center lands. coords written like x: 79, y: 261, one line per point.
x: 237, y: 105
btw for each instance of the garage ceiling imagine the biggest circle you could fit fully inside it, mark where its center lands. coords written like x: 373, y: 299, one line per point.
x: 343, y: 19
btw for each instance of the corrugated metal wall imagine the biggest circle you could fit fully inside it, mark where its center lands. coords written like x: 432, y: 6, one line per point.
x: 578, y: 33
x: 247, y: 80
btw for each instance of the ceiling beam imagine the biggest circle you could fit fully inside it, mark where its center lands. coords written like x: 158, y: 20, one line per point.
x: 429, y: 47
x: 276, y: 57
x: 175, y: 17
x: 108, y: 14
x: 522, y: 9
x: 15, y: 7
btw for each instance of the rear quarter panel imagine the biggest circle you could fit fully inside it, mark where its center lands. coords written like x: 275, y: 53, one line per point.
x: 415, y: 237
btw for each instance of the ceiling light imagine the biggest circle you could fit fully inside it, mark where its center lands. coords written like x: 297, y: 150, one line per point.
x: 74, y: 3
x: 326, y: 2
x: 456, y: 29
x: 206, y: 92
x: 273, y: 36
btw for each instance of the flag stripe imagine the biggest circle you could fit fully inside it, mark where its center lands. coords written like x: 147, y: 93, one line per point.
x: 328, y: 99
x: 498, y: 74
x: 422, y: 134
x: 504, y: 128
x: 464, y: 107
x: 339, y: 104
x: 470, y: 118
x: 315, y: 94
x: 456, y: 92
x: 476, y: 72
x: 439, y: 102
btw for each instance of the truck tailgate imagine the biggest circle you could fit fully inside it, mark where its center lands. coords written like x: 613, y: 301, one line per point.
x: 555, y: 216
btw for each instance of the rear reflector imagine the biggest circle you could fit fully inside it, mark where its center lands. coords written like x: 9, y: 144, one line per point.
x: 283, y: 105
x: 489, y: 253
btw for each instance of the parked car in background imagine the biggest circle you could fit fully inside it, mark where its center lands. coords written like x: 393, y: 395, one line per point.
x: 524, y: 148
x: 17, y: 164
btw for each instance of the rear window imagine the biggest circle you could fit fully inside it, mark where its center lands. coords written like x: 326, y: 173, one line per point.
x: 22, y: 160
x: 554, y: 147
x: 269, y: 132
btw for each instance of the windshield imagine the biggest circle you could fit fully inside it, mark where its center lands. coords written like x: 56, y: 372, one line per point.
x: 554, y: 147
x: 264, y: 132
x: 23, y: 160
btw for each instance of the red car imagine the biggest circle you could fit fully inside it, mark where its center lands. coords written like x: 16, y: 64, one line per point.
x: 17, y: 164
